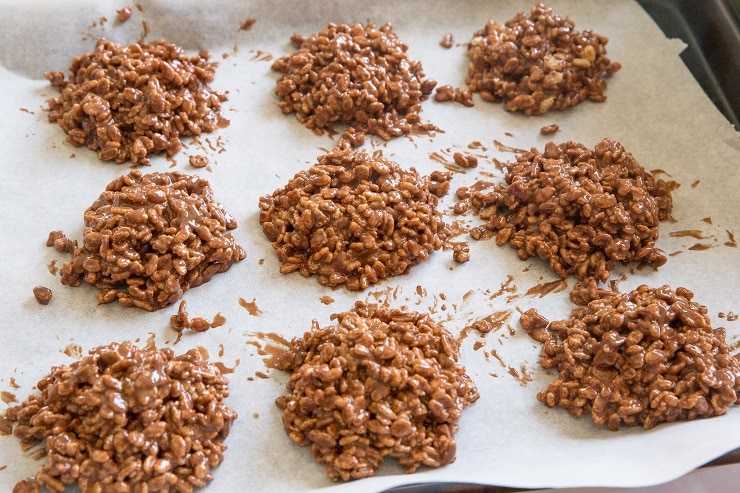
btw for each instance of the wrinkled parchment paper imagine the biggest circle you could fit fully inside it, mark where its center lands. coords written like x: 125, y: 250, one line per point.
x: 654, y: 108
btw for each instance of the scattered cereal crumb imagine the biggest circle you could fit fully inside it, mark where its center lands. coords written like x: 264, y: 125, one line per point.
x: 182, y: 320
x: 461, y: 252
x: 124, y: 14
x: 60, y: 242
x: 456, y: 94
x: 42, y: 294
x: 73, y: 350
x: 447, y: 40
x: 549, y: 129
x: 198, y: 161
x: 247, y: 24
x: 465, y: 160
x: 7, y: 397
x: 439, y: 182
x: 135, y: 395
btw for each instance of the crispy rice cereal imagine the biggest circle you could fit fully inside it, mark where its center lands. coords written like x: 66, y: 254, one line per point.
x: 537, y: 62
x: 378, y: 383
x: 127, y: 102
x: 642, y: 358
x: 354, y: 219
x: 356, y: 75
x: 149, y: 238
x: 581, y: 210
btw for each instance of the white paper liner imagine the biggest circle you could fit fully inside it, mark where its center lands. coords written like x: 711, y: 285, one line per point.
x: 654, y: 108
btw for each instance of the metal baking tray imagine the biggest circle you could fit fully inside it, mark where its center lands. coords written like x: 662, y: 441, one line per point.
x: 710, y: 30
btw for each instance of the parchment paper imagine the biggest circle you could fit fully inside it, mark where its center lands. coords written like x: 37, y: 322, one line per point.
x: 654, y: 108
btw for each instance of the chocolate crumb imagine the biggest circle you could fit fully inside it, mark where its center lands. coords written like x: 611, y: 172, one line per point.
x: 198, y: 161
x: 182, y: 320
x: 124, y: 14
x: 247, y: 24
x: 42, y: 294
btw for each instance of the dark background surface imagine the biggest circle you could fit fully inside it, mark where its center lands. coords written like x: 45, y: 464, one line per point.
x: 710, y: 30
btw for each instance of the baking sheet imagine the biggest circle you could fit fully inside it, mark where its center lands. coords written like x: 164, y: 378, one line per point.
x: 706, y: 56
x: 654, y: 108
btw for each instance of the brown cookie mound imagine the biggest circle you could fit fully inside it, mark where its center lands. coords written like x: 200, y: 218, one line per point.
x: 127, y: 102
x: 127, y: 419
x: 355, y: 75
x: 642, y: 358
x: 581, y: 210
x: 353, y: 219
x: 379, y: 383
x: 537, y: 62
x: 149, y: 238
